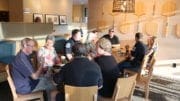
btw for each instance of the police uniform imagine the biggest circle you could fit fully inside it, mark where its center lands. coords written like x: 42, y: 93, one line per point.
x: 69, y: 44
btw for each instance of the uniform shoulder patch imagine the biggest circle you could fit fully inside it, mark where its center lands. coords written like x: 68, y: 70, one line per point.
x: 68, y: 45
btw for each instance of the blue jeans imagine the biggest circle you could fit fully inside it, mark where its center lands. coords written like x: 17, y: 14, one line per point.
x: 129, y: 65
x: 123, y: 65
x: 46, y: 84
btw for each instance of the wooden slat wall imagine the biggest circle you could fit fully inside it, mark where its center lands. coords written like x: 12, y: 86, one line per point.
x: 16, y: 10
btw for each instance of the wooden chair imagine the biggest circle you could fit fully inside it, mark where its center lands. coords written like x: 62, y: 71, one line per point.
x: 22, y: 97
x: 34, y: 54
x: 74, y: 93
x: 143, y: 79
x: 3, y: 73
x: 123, y: 90
x: 142, y: 68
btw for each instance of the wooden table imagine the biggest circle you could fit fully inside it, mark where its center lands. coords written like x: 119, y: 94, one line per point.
x: 118, y: 55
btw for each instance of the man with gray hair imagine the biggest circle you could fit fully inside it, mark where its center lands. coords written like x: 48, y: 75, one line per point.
x: 108, y: 65
x: 24, y: 76
x: 26, y: 79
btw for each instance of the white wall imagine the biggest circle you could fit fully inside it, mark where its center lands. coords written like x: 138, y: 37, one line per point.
x: 57, y: 7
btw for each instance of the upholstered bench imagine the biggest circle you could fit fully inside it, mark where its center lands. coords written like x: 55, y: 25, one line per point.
x: 7, y: 54
x: 59, y: 45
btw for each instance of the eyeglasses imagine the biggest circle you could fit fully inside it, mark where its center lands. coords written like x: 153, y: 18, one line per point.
x: 32, y: 46
x: 111, y: 31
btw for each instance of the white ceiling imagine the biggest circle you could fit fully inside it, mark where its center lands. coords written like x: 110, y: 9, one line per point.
x: 80, y: 1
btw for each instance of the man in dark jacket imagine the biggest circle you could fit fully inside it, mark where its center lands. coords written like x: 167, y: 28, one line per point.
x: 79, y: 72
x: 137, y: 54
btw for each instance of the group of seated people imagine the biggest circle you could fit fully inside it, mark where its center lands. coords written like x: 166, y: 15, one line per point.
x: 89, y: 64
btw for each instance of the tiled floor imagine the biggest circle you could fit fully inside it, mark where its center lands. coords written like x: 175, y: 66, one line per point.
x: 164, y: 71
x: 167, y: 71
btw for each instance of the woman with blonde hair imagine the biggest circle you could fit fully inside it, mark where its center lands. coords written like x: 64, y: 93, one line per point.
x: 151, y: 48
x: 152, y: 45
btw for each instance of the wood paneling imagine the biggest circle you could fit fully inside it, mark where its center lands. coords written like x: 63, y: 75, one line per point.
x: 16, y: 10
x: 77, y: 13
x: 4, y: 5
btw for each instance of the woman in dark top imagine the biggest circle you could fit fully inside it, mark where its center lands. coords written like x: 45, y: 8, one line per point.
x: 108, y: 67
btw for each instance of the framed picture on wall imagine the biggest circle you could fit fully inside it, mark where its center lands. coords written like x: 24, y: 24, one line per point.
x: 63, y: 19
x: 125, y: 6
x: 51, y: 18
x: 37, y: 17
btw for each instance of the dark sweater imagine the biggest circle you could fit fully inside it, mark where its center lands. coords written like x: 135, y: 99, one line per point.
x: 110, y: 74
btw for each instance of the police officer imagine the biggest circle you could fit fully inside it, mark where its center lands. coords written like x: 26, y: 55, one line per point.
x: 76, y: 37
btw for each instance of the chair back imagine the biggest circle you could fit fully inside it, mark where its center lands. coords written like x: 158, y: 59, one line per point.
x: 151, y: 67
x: 145, y: 75
x: 144, y: 80
x: 10, y: 81
x: 124, y: 88
x: 144, y: 64
x: 74, y: 93
x: 22, y: 97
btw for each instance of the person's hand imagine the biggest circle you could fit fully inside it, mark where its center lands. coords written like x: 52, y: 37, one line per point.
x: 40, y: 69
x: 57, y: 61
x: 44, y: 70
